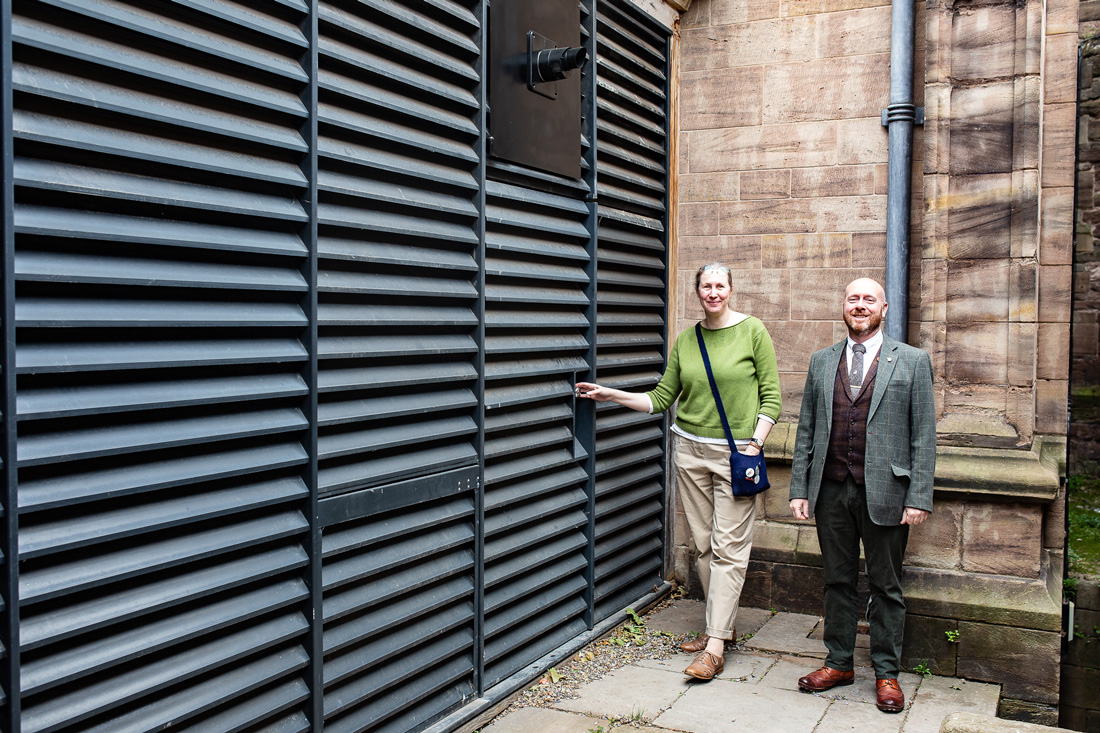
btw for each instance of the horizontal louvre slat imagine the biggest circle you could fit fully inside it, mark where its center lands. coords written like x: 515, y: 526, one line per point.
x: 401, y: 104
x: 97, y: 269
x: 100, y: 226
x: 130, y: 522
x: 100, y: 96
x: 126, y: 564
x: 410, y: 49
x: 100, y: 399
x: 258, y: 707
x: 57, y: 625
x: 202, y: 40
x: 109, y: 693
x: 53, y: 492
x: 438, y: 657
x: 128, y: 438
x: 138, y: 313
x: 152, y: 150
x: 108, y: 651
x: 83, y: 48
x: 71, y: 179
x: 412, y: 462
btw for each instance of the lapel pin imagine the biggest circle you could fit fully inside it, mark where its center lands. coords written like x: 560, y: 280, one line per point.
x: 889, y: 358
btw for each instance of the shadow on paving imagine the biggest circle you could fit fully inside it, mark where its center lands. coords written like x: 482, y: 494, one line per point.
x: 757, y: 691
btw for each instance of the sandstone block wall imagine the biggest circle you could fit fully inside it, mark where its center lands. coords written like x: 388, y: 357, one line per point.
x: 781, y: 162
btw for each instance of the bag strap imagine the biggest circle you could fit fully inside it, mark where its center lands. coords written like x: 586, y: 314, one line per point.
x: 714, y: 388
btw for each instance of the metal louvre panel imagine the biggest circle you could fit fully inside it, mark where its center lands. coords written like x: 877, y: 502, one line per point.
x: 632, y: 170
x: 397, y: 241
x: 536, y: 344
x: 398, y: 298
x: 398, y: 637
x: 160, y: 364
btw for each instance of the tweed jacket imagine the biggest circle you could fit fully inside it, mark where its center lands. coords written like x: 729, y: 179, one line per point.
x: 901, y: 431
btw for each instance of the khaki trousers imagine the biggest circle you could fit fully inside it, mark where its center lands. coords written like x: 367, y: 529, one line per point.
x: 721, y: 528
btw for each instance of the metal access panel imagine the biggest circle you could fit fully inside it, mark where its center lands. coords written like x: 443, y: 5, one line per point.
x: 531, y: 123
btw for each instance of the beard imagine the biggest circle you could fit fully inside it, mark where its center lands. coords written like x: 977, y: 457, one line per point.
x: 874, y: 320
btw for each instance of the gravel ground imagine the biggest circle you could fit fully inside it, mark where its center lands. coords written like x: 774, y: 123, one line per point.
x: 630, y: 642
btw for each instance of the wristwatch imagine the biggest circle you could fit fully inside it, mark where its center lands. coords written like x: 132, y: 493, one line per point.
x: 757, y: 443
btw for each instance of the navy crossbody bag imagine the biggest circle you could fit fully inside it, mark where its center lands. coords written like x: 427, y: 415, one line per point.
x: 748, y: 474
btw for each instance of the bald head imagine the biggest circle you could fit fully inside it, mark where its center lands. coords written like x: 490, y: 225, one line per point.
x: 866, y: 285
x: 864, y: 308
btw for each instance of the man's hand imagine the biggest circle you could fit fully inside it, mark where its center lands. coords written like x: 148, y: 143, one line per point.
x: 912, y: 516
x: 800, y: 508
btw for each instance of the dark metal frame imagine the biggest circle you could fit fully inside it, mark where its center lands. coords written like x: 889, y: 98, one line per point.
x: 9, y: 575
x: 479, y: 495
x: 315, y: 671
x: 586, y: 412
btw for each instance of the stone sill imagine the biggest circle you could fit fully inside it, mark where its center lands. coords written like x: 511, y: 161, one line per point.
x: 1033, y: 603
x: 994, y: 474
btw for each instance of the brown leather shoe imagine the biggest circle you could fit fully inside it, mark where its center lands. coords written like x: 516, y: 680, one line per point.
x: 825, y: 678
x: 890, y: 697
x: 699, y: 643
x: 705, y: 666
x: 696, y: 645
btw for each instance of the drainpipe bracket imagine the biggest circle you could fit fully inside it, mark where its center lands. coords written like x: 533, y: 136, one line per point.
x: 902, y: 112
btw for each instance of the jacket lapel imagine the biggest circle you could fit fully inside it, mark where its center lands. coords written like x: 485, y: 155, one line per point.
x: 829, y: 378
x: 887, y: 360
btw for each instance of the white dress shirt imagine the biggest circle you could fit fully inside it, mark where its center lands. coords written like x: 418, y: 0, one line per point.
x: 872, y: 345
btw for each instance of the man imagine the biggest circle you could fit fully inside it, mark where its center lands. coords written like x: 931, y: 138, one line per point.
x: 864, y: 458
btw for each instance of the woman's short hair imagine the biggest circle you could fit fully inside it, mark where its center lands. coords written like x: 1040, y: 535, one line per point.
x: 716, y: 268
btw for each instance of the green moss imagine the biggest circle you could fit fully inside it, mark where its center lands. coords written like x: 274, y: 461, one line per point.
x: 1084, y: 526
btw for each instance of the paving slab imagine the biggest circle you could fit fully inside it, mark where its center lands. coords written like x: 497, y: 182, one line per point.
x: 685, y: 616
x: 721, y: 706
x: 863, y: 689
x: 682, y: 617
x: 938, y: 697
x: 784, y: 674
x: 544, y: 720
x: 845, y: 715
x: 628, y: 692
x: 742, y: 666
x: 751, y: 620
x: 789, y: 633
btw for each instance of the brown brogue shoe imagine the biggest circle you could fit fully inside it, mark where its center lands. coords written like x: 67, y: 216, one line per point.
x: 890, y: 697
x: 824, y: 679
x: 705, y: 666
x: 696, y: 645
x: 699, y: 643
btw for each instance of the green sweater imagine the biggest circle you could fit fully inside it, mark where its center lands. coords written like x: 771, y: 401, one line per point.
x: 743, y: 360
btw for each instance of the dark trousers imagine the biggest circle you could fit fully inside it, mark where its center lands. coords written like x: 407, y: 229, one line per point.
x: 842, y: 521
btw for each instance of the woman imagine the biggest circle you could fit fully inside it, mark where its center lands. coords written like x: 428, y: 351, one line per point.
x: 743, y: 361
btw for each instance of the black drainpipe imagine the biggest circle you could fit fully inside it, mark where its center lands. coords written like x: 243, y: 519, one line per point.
x: 899, y: 117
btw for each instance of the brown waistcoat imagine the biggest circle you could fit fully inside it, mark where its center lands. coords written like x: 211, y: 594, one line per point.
x: 848, y: 436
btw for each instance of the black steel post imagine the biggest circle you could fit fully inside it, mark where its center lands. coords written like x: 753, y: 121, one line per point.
x: 585, y: 423
x: 315, y: 643
x: 479, y: 492
x: 9, y: 584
